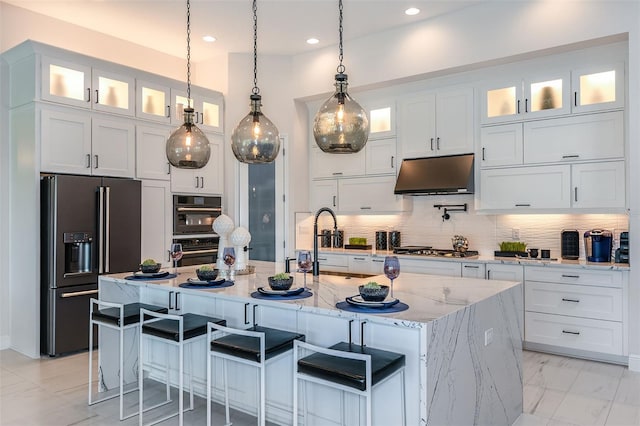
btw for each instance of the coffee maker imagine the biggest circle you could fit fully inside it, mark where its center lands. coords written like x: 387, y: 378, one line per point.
x: 597, y: 245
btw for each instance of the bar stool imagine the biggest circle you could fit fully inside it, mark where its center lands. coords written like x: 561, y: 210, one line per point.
x: 120, y: 317
x: 175, y: 330
x: 254, y: 346
x: 349, y: 368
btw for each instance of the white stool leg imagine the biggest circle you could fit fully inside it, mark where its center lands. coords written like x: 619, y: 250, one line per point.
x: 140, y: 377
x: 121, y: 372
x: 90, y: 357
x: 305, y: 408
x: 226, y: 390
x: 167, y: 372
x: 181, y: 384
x: 404, y: 401
x: 295, y: 386
x: 262, y: 412
x: 208, y: 382
x: 190, y: 376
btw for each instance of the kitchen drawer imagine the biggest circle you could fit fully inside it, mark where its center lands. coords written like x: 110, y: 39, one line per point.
x: 574, y: 300
x: 333, y: 262
x: 574, y: 276
x: 574, y: 333
x: 360, y: 264
x: 432, y: 267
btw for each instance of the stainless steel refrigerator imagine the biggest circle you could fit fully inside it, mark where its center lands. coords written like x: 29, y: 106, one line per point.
x: 89, y: 226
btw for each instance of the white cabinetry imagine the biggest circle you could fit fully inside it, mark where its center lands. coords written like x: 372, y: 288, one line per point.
x: 325, y: 165
x: 80, y: 143
x: 207, y: 180
x: 504, y: 272
x: 207, y: 109
x: 83, y: 86
x: 157, y: 223
x: 576, y: 310
x: 598, y: 185
x: 323, y: 193
x: 434, y: 124
x: 357, y: 195
x: 473, y: 270
x: 151, y: 154
x: 501, y: 145
x: 432, y: 267
x: 333, y: 262
x: 153, y: 101
x: 598, y: 87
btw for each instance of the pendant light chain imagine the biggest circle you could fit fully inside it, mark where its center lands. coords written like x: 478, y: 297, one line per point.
x: 255, y: 90
x: 188, y: 54
x: 341, y: 67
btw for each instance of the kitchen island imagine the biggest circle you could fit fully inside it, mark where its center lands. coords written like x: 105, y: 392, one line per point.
x: 461, y: 338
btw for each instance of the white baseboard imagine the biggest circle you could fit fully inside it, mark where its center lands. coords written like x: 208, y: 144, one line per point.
x: 634, y: 362
x: 5, y: 342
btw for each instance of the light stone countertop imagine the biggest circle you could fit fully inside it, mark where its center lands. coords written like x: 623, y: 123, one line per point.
x: 429, y: 297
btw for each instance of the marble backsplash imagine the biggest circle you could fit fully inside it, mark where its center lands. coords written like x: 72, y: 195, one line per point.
x: 424, y: 226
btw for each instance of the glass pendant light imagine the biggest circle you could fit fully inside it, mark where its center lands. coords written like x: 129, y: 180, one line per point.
x: 256, y: 139
x: 341, y: 125
x: 188, y: 147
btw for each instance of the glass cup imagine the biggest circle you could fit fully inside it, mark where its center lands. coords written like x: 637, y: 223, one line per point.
x: 229, y: 258
x: 304, y: 264
x: 176, y: 254
x: 391, y: 269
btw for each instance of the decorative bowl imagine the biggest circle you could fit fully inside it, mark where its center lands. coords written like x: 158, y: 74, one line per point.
x: 209, y: 275
x: 372, y: 294
x: 150, y: 269
x: 280, y: 284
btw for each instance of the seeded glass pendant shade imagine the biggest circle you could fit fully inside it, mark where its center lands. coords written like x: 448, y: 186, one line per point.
x: 255, y: 140
x: 188, y: 147
x: 341, y: 125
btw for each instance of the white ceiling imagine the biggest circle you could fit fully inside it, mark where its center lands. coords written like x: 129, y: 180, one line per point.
x: 283, y: 25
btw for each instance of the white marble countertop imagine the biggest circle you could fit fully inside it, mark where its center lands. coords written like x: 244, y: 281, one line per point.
x: 580, y: 263
x: 429, y: 297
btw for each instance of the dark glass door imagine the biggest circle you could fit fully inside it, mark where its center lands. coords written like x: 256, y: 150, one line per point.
x: 262, y: 211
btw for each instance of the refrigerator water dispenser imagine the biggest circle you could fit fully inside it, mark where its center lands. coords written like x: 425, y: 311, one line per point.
x: 77, y: 253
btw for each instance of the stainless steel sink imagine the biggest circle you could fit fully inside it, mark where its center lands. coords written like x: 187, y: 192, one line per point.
x: 347, y: 275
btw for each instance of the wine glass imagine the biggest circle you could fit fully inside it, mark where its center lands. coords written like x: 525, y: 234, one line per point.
x: 304, y: 264
x: 391, y: 269
x: 229, y: 258
x: 176, y: 255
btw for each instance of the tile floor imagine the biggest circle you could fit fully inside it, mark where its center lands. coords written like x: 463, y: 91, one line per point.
x: 558, y: 391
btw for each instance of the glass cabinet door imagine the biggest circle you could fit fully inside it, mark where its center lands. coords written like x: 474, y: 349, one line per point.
x: 210, y: 116
x: 501, y: 102
x: 66, y: 83
x: 598, y: 88
x: 382, y: 119
x: 207, y: 110
x: 112, y: 92
x: 153, y: 102
x: 179, y: 102
x: 547, y: 95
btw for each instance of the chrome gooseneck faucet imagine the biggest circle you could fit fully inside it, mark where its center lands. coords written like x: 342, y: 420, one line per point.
x: 316, y: 265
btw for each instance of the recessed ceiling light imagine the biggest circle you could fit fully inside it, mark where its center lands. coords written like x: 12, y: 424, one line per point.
x: 313, y: 40
x: 412, y: 11
x: 209, y: 38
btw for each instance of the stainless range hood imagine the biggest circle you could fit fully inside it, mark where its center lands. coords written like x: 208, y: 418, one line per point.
x: 452, y: 174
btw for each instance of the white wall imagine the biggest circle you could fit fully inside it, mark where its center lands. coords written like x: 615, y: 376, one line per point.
x: 491, y: 33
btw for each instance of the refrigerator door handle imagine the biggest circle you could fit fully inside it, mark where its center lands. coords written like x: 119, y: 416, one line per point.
x: 107, y: 228
x: 101, y: 230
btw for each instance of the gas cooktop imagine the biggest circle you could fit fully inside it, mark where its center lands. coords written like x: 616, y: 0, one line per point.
x: 434, y: 252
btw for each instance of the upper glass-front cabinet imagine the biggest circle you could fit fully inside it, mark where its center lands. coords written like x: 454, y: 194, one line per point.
x: 382, y: 119
x: 153, y: 101
x: 208, y: 110
x: 82, y: 86
x: 598, y: 88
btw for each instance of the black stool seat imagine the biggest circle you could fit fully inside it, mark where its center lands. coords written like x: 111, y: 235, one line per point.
x: 351, y: 372
x: 194, y: 325
x: 131, y: 313
x: 247, y: 347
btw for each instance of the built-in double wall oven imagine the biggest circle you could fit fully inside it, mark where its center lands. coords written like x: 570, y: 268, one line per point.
x: 192, y: 226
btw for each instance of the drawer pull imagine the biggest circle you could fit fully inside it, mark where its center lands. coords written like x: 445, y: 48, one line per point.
x: 323, y: 259
x: 378, y: 261
x: 471, y: 266
x: 570, y: 300
x: 365, y: 208
x: 575, y: 333
x: 359, y: 258
x: 570, y: 276
x: 523, y: 205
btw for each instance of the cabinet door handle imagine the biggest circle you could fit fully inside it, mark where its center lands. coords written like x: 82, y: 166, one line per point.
x: 570, y: 300
x: 201, y: 182
x: 171, y: 299
x: 526, y: 105
x: 88, y: 94
x: 246, y: 313
x: 518, y: 108
x: 431, y: 144
x: 336, y: 174
x: 197, y: 182
x: 97, y: 98
x: 438, y: 143
x: 168, y: 111
x: 334, y: 201
x: 576, y: 333
x: 575, y: 194
x: 88, y: 161
x: 523, y: 205
x: 575, y: 98
x: 362, y: 333
x: 565, y: 157
x: 392, y: 158
x: 483, y: 154
x: 202, y: 118
x: 472, y: 266
x: 350, y: 337
x: 168, y: 168
x: 177, y: 301
x: 168, y: 255
x: 488, y: 274
x: 570, y: 276
x: 365, y: 208
x: 96, y: 157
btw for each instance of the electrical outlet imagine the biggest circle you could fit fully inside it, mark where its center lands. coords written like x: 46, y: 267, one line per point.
x: 515, y: 234
x: 488, y: 337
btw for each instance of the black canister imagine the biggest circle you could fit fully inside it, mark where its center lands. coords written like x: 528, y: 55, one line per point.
x: 394, y: 239
x: 325, y: 238
x: 381, y: 240
x: 338, y: 239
